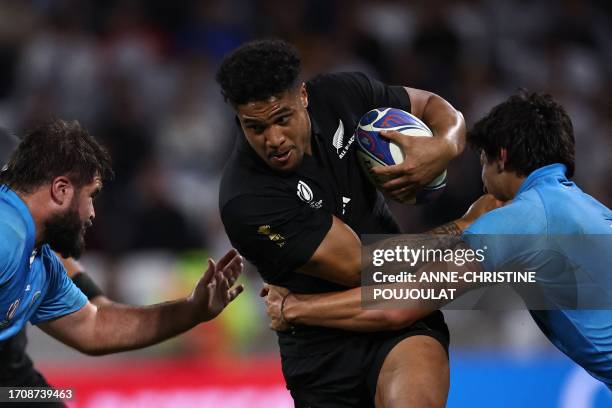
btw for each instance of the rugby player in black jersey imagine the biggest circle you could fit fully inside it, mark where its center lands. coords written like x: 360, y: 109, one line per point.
x: 294, y: 200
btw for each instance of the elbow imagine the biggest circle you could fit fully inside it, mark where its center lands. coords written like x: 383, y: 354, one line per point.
x: 91, y: 350
x: 97, y: 353
x: 353, y: 276
x: 399, y: 319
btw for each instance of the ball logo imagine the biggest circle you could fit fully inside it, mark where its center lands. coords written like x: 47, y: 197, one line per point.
x: 304, y: 192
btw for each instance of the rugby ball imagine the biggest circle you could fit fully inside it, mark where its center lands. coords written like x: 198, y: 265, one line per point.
x: 374, y: 150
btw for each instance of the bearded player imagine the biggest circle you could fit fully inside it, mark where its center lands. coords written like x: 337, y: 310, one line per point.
x: 46, y: 203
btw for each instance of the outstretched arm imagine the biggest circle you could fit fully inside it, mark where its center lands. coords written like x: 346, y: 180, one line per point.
x: 340, y: 310
x: 114, y: 327
x: 343, y: 310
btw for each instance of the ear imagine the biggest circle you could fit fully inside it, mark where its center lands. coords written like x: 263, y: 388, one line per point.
x: 62, y: 191
x: 303, y: 95
x: 502, y: 160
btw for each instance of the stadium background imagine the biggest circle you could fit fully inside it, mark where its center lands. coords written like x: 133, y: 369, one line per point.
x: 139, y: 76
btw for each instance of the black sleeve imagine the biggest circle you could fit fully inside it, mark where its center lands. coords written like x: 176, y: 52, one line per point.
x: 357, y: 87
x: 277, y: 234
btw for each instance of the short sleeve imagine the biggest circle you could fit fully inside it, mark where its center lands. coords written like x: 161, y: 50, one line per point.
x: 360, y: 88
x: 277, y: 234
x: 62, y: 296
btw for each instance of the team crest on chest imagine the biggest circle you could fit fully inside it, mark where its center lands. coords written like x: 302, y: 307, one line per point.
x: 338, y: 140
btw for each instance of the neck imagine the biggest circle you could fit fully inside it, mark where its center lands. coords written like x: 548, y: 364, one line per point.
x: 513, y: 184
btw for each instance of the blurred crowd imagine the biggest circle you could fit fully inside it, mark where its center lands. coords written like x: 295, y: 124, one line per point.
x: 140, y: 76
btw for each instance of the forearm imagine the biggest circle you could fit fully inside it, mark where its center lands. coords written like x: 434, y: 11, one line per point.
x: 453, y: 228
x: 446, y: 123
x: 343, y: 310
x: 121, y: 327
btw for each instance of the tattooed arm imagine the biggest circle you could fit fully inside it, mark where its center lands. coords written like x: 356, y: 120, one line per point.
x: 344, y: 309
x: 454, y: 228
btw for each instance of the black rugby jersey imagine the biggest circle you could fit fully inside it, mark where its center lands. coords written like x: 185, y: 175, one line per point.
x: 277, y: 220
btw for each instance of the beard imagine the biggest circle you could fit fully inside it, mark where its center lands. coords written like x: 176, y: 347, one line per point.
x: 64, y: 233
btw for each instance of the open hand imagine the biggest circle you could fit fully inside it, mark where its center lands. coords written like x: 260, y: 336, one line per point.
x: 215, y: 290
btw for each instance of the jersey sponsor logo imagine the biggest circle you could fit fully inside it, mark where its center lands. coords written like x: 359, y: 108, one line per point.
x: 304, y: 192
x: 338, y: 140
x: 12, y: 310
x: 275, y: 237
x: 34, y: 298
x: 345, y: 201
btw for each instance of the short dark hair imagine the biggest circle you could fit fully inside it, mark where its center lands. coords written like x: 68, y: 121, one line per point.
x: 258, y: 70
x: 54, y: 149
x: 533, y: 127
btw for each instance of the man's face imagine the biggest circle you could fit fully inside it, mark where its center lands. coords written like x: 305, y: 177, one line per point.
x: 65, y: 231
x: 278, y: 129
x: 494, y: 179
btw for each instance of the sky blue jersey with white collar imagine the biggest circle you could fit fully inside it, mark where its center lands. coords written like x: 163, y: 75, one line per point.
x: 34, y: 285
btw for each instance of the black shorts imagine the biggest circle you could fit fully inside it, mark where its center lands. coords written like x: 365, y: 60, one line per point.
x: 17, y: 370
x: 345, y: 373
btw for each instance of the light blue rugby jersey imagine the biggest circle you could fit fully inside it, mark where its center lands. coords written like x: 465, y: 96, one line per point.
x: 33, y: 287
x: 550, y: 205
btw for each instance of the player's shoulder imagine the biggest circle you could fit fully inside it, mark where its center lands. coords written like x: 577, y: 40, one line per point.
x: 262, y: 199
x: 250, y: 185
x: 13, y: 234
x: 524, y: 215
x: 49, y: 254
x: 12, y: 246
x: 51, y: 261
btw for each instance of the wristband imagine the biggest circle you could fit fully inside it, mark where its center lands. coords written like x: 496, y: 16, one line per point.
x: 84, y: 282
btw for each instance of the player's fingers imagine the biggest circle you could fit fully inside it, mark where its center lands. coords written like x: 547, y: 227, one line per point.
x: 403, y: 193
x: 233, y: 270
x: 210, y: 272
x: 392, y: 135
x: 222, y: 289
x: 237, y: 267
x: 399, y: 183
x: 389, y: 171
x: 222, y: 282
x: 227, y: 258
x: 233, y: 294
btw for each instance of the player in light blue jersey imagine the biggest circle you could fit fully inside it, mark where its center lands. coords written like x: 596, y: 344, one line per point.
x: 527, y: 155
x: 46, y: 203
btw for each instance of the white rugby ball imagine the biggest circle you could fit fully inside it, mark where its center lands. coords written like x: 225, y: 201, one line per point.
x: 374, y: 150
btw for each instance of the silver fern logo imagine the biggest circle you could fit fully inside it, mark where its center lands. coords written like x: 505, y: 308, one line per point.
x: 338, y: 140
